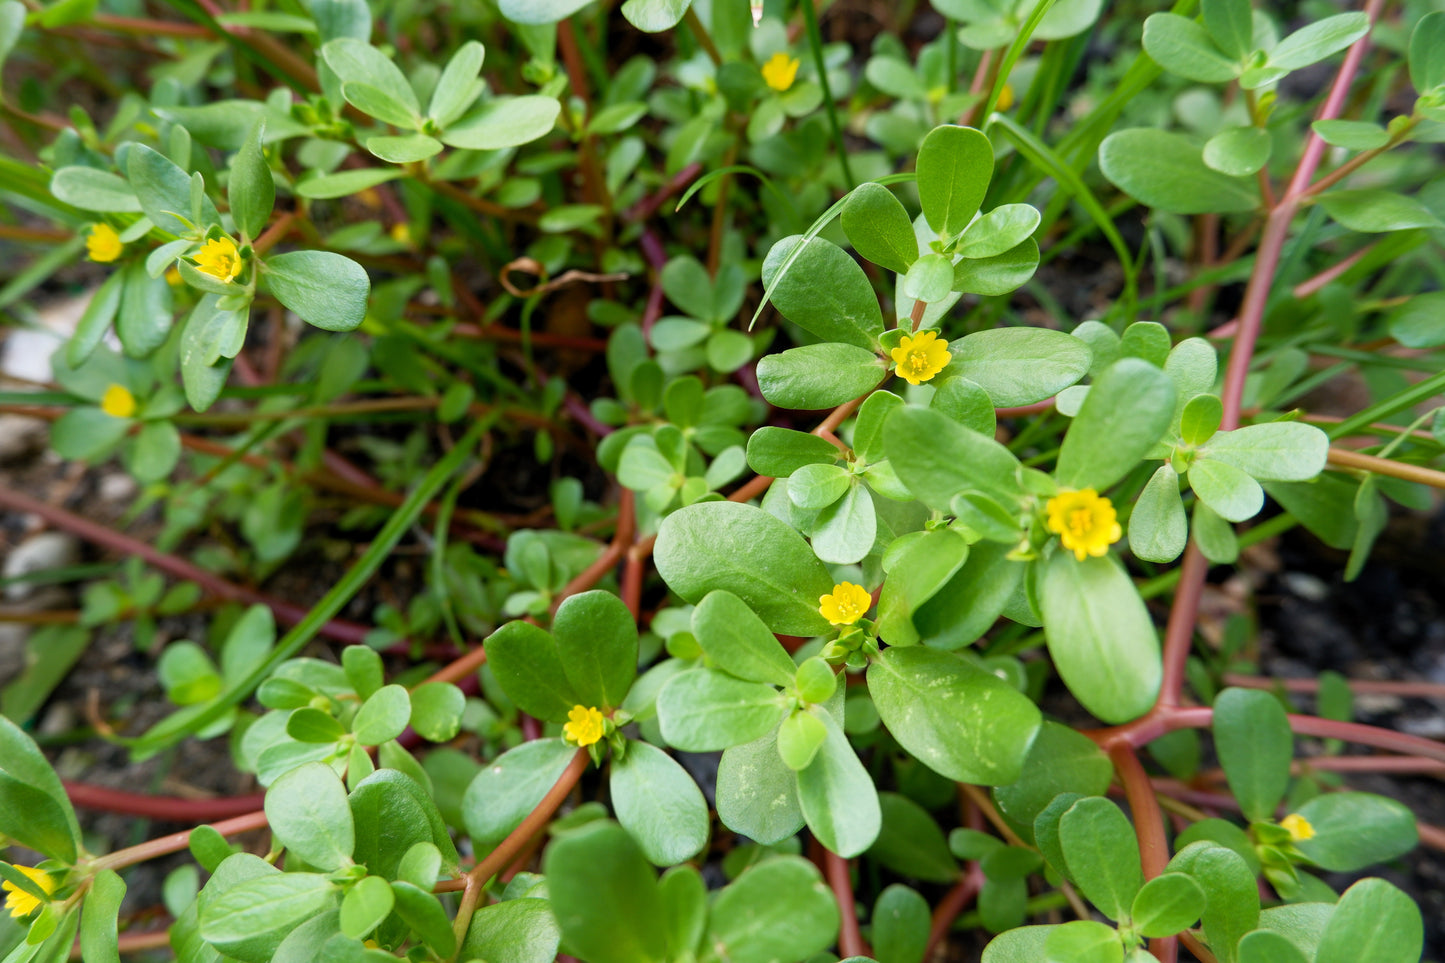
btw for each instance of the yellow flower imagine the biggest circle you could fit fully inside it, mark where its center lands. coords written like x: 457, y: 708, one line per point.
x: 400, y: 232
x: 846, y: 605
x: 919, y: 357
x: 780, y: 71
x: 118, y: 402
x: 18, y: 901
x: 173, y: 277
x: 1084, y: 522
x: 1005, y: 98
x: 103, y: 244
x: 583, y: 726
x: 1298, y: 826
x: 218, y: 258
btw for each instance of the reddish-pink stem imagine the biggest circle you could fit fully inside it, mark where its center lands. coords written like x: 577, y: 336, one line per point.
x: 850, y: 938
x: 168, y: 808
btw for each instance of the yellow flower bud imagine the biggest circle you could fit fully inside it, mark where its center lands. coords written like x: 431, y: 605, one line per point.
x: 103, y: 244
x: 118, y: 402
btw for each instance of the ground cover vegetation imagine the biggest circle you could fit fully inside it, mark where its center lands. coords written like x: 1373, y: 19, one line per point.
x: 866, y: 393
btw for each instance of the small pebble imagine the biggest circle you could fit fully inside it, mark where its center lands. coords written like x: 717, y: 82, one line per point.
x: 37, y: 553
x: 20, y: 437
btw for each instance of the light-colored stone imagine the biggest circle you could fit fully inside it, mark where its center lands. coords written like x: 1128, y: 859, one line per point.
x: 37, y: 553
x: 20, y: 437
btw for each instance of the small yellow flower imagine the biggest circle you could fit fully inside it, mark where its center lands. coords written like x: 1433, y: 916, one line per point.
x: 919, y: 357
x: 1005, y: 98
x: 103, y: 244
x: 1084, y: 522
x: 400, y: 232
x: 118, y: 402
x: 846, y: 605
x: 218, y: 258
x: 583, y: 726
x: 1298, y: 826
x: 780, y: 71
x: 173, y: 277
x: 18, y: 901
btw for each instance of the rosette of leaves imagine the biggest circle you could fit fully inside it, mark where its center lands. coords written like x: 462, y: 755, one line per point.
x: 158, y: 202
x: 370, y: 81
x: 588, y: 659
x: 1224, y: 469
x: 920, y: 88
x: 768, y: 109
x: 702, y: 336
x: 541, y: 562
x: 118, y: 404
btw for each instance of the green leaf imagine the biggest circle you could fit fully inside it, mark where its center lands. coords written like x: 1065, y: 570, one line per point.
x: 937, y: 458
x: 685, y: 898
x: 960, y: 721
x: 1128, y: 409
x: 423, y: 913
x: 327, y: 290
x: 1022, y: 945
x: 900, y: 925
x: 34, y: 810
x: 778, y: 909
x: 605, y: 896
x: 407, y: 149
x: 250, y: 919
x: 1238, y: 151
x: 1000, y: 230
x: 96, y: 319
x: 1255, y: 747
x: 1373, y: 921
x: 659, y: 804
x: 1200, y: 419
x: 1102, y: 855
x: 504, y: 122
x: 308, y: 813
x: 1165, y: 170
x: 920, y: 571
x: 910, y: 843
x: 999, y: 274
x: 357, y: 62
x: 1228, y: 491
x: 95, y: 190
x: 819, y: 375
x: 745, y: 551
x: 1100, y: 636
x: 252, y: 191
x: 757, y: 794
x: 1279, y: 451
x: 1158, y: 529
x: 1231, y: 26
x: 928, y: 279
x: 1375, y: 211
x: 655, y: 16
x: 972, y: 600
x: 597, y: 642
x: 824, y: 292
x: 954, y: 165
x: 513, y: 931
x: 1184, y: 47
x: 704, y: 710
x: 778, y: 452
x: 12, y: 21
x: 1427, y: 52
x: 393, y: 813
x: 845, y: 531
x: 800, y: 737
x: 164, y: 190
x: 1352, y: 134
x: 1356, y: 829
x: 505, y: 791
x: 345, y: 183
x: 818, y: 486
x: 436, y: 711
x: 1232, y: 905
x: 1263, y: 946
x: 1418, y: 323
x: 458, y: 85
x: 1083, y: 941
x: 1060, y: 760
x: 1316, y: 41
x: 879, y: 228
x: 1167, y: 905
x: 528, y: 663
x: 144, y: 319
x: 98, y: 918
x: 155, y: 453
x: 1020, y: 366
x: 837, y: 796
x: 383, y: 716
x: 365, y: 906
x: 539, y: 11
x: 738, y: 642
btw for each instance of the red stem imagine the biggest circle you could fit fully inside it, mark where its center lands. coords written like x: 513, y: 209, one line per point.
x: 850, y: 939
x: 168, y: 808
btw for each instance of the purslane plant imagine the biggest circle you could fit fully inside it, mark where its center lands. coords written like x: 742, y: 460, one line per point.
x: 862, y: 618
